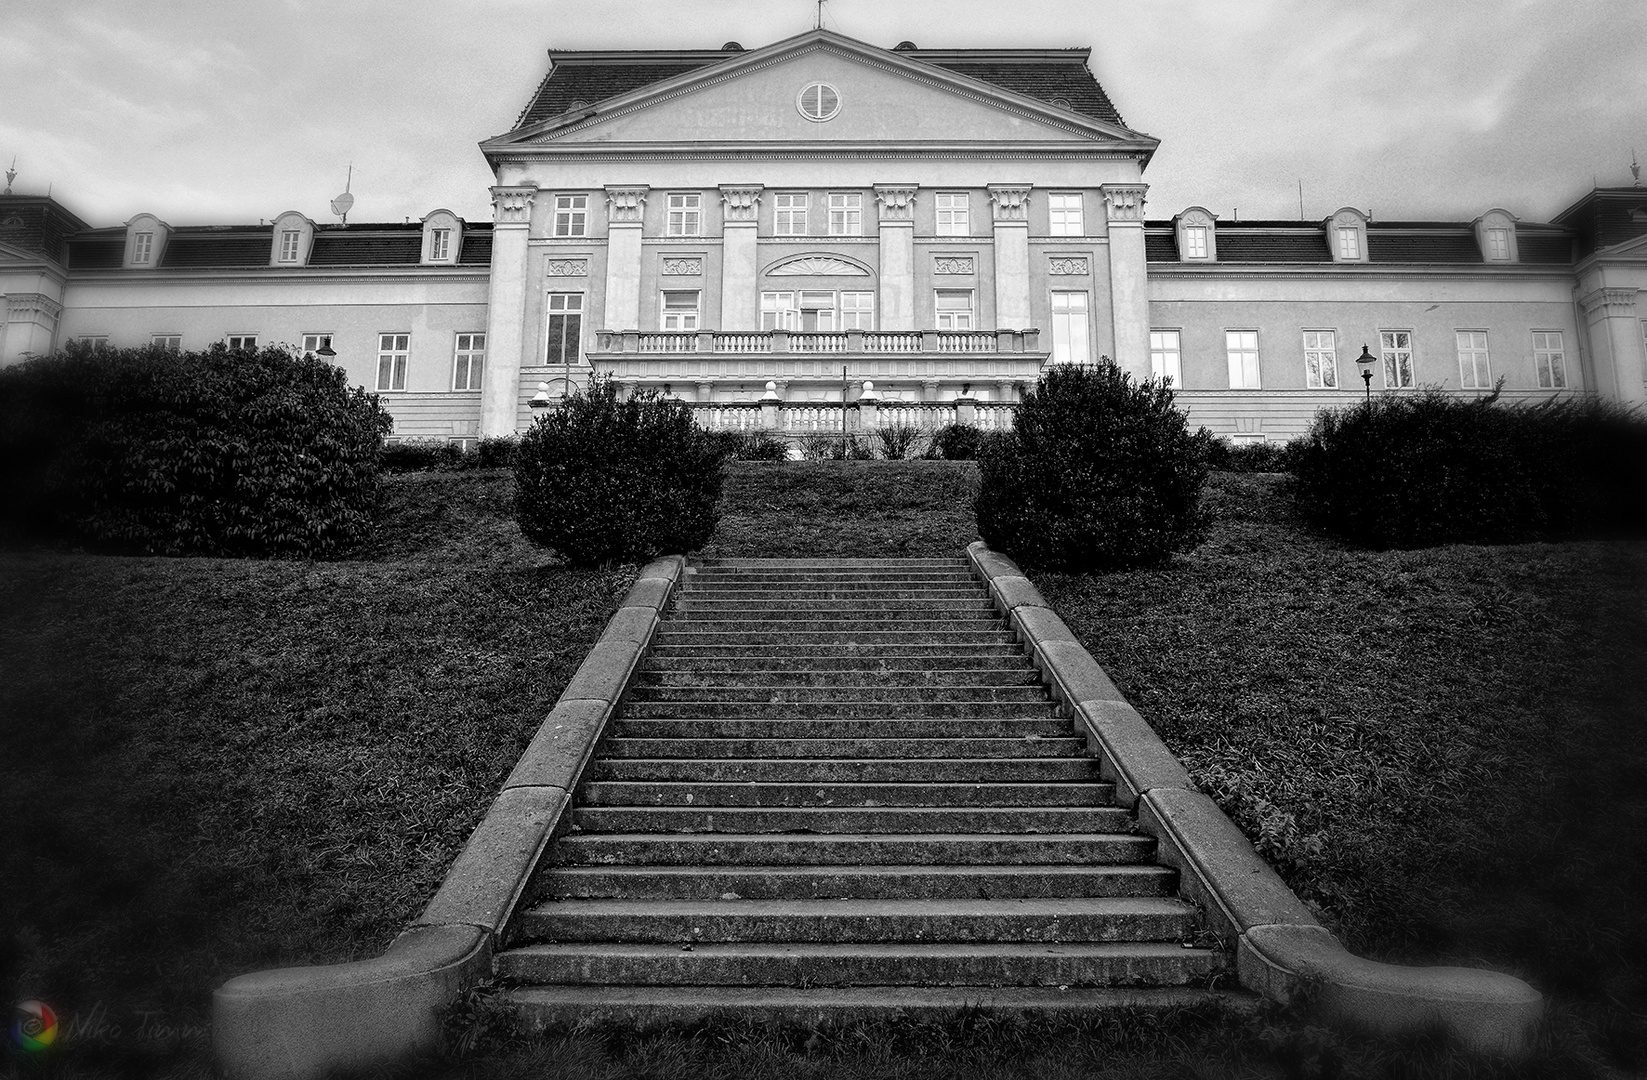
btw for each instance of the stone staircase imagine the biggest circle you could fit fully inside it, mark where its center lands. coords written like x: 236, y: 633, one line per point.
x: 839, y: 785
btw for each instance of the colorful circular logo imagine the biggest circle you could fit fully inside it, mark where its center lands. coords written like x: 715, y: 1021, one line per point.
x: 34, y: 1026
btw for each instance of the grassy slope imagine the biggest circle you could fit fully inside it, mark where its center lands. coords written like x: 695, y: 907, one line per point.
x: 209, y: 766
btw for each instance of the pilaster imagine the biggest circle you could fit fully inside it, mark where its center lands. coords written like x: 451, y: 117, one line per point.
x: 897, y: 233
x: 1011, y: 207
x: 1129, y: 290
x: 1616, y: 343
x: 506, y: 312
x: 740, y: 262
x: 625, y: 207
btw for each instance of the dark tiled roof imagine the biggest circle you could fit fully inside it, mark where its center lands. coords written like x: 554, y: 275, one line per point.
x: 188, y: 249
x: 589, y: 83
x: 1160, y: 246
x: 37, y: 224
x: 1448, y: 245
x: 367, y: 246
x: 1545, y: 248
x: 1243, y: 246
x: 97, y: 252
x: 245, y: 246
x: 1607, y: 217
x: 1069, y: 80
x: 477, y: 247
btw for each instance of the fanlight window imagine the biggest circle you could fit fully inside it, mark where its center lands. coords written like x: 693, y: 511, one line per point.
x: 819, y: 101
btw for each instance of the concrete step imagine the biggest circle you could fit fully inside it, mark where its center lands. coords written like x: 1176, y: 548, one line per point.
x: 692, y: 603
x: 1029, y: 770
x: 861, y: 882
x: 812, y: 749
x: 540, y: 1009
x: 682, y: 634
x: 664, y: 793
x: 839, y: 690
x: 750, y: 563
x: 679, y: 672
x: 838, y: 708
x: 1149, y: 918
x: 839, y: 651
x: 824, y: 592
x: 878, y: 728
x: 851, y: 820
x: 794, y: 622
x: 779, y: 849
x: 828, y: 964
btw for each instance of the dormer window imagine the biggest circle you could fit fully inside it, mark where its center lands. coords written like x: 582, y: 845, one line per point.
x: 1195, y: 242
x: 143, y: 249
x: 442, y: 238
x: 1495, y: 236
x: 1498, y: 243
x: 1347, y: 236
x: 289, y: 239
x: 293, y: 239
x: 146, y: 237
x: 1349, y: 245
x: 1197, y: 235
x: 440, y: 245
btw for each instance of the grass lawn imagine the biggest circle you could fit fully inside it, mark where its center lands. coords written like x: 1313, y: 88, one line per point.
x: 210, y: 767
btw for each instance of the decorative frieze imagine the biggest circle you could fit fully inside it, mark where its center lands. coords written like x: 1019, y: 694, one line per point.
x: 625, y: 205
x: 676, y: 266
x: 1609, y: 302
x: 1125, y: 202
x: 567, y: 268
x: 1011, y: 201
x: 741, y: 202
x: 954, y: 264
x: 1069, y: 265
x: 32, y: 307
x: 512, y: 205
x: 897, y: 201
x: 817, y: 266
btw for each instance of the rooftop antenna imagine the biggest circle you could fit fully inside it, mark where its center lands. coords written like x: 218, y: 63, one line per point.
x: 819, y: 24
x: 1301, y: 199
x: 1635, y: 170
x: 341, y: 204
x: 11, y: 174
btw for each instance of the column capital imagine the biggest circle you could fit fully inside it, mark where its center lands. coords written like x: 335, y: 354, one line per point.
x: 1610, y: 302
x: 1124, y: 202
x: 626, y: 203
x: 512, y: 205
x: 1011, y: 202
x: 897, y: 201
x: 23, y: 307
x: 741, y: 202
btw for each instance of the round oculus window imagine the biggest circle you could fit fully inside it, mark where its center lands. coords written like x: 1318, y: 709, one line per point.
x: 819, y: 101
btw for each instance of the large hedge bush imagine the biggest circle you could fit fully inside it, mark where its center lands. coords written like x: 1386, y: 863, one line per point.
x: 238, y: 453
x: 1099, y: 472
x: 602, y: 480
x: 1407, y: 471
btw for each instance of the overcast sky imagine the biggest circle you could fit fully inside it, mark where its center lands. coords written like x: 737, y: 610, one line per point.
x: 216, y: 111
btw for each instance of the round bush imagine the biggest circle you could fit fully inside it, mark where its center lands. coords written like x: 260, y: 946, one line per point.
x: 243, y: 453
x: 1099, y: 472
x: 602, y: 480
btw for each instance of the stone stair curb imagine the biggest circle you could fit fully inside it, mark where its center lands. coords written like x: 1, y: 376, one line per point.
x: 756, y: 793
x: 835, y: 820
x: 918, y: 849
x: 926, y: 770
x: 896, y: 882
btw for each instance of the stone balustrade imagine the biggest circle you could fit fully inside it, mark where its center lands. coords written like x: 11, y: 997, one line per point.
x: 612, y: 343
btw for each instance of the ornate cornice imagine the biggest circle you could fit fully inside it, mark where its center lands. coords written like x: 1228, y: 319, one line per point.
x: 992, y: 151
x: 1611, y: 302
x: 513, y: 205
x: 897, y: 201
x: 1011, y: 202
x: 23, y: 306
x: 1124, y: 202
x: 741, y: 202
x: 626, y: 203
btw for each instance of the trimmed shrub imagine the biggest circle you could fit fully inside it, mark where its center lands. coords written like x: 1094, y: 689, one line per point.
x: 821, y: 447
x: 1099, y: 472
x: 760, y: 446
x: 496, y: 452
x: 422, y: 455
x: 242, y: 453
x: 1225, y: 456
x: 1416, y: 471
x: 898, y: 441
x: 956, y: 442
x: 602, y: 480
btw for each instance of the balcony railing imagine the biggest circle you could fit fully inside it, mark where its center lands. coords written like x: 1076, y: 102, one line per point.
x: 865, y: 342
x: 798, y: 419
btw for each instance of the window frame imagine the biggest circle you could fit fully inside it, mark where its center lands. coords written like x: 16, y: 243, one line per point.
x: 1078, y: 350
x: 970, y: 313
x: 571, y: 215
x: 1474, y: 353
x: 1326, y: 358
x: 321, y: 340
x: 861, y: 316
x: 781, y: 211
x: 169, y: 342
x: 690, y: 319
x: 1232, y: 351
x: 959, y: 221
x: 1350, y: 251
x: 471, y: 357
x: 1159, y: 352
x: 569, y: 308
x: 1195, y: 241
x: 846, y: 218
x: 1060, y: 221
x: 683, y: 213
x: 778, y: 310
x: 440, y: 245
x: 1388, y: 354
x: 247, y: 342
x: 1550, y: 376
x: 397, y: 355
x: 142, y: 248
x: 1498, y: 244
x: 97, y: 342
x: 291, y: 242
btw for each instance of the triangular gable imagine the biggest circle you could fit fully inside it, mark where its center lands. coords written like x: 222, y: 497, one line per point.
x: 1630, y: 250
x: 10, y: 253
x: 886, y: 97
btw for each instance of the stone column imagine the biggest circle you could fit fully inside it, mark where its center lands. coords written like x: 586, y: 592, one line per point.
x: 1011, y: 203
x: 740, y: 270
x: 897, y: 207
x: 624, y: 209
x: 1616, y: 344
x: 1129, y: 291
x: 506, y: 310
x: 30, y: 326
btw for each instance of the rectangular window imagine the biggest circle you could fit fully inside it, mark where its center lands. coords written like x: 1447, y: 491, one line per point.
x: 392, y: 351
x: 1349, y: 244
x: 680, y: 310
x: 685, y: 214
x: 1065, y: 211
x: 169, y: 342
x: 1473, y: 373
x: 97, y: 342
x: 1321, y: 359
x: 778, y: 311
x: 857, y: 311
x: 288, y: 245
x: 953, y: 213
x: 1396, y: 347
x: 1195, y: 242
x: 313, y: 343
x: 1166, y: 357
x: 440, y: 244
x: 789, y: 210
x: 142, y: 248
x: 565, y: 329
x: 1071, y: 340
x: 241, y: 341
x: 1498, y: 243
x: 954, y: 309
x: 1242, y: 349
x: 468, y: 360
x: 1550, y: 358
x: 818, y: 311
x: 571, y: 215
x: 846, y: 213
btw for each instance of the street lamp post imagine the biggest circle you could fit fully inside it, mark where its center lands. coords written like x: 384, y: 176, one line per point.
x: 1366, y: 360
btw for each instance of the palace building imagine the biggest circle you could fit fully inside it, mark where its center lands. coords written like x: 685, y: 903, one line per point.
x: 762, y: 231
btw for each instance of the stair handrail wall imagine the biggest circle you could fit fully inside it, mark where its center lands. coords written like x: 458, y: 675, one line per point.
x: 311, y: 1022
x: 1281, y: 950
